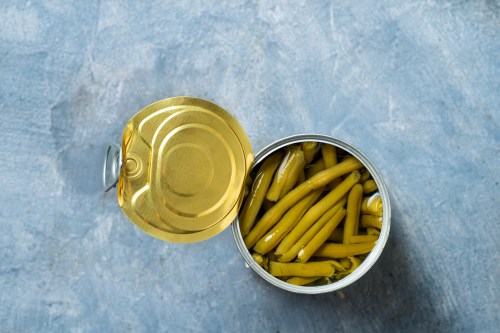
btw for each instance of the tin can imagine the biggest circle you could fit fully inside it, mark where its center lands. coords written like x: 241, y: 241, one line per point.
x: 180, y: 174
x: 384, y: 232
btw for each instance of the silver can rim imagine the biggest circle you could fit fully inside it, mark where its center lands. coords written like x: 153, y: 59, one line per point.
x: 370, y: 259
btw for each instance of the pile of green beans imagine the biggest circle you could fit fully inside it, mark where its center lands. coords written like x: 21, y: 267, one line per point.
x: 312, y: 214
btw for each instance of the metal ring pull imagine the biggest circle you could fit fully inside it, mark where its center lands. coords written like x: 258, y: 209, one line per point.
x: 112, y: 166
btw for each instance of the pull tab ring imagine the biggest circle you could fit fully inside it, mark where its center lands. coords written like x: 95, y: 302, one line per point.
x: 111, y: 167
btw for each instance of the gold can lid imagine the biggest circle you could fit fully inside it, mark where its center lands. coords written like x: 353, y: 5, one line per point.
x: 184, y: 164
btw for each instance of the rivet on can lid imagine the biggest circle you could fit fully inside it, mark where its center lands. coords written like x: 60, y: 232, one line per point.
x: 132, y: 166
x: 185, y: 161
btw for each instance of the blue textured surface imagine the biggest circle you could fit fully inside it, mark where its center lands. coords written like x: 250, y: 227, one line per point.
x: 415, y: 86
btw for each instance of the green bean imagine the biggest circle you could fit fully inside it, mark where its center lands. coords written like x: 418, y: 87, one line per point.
x: 326, y: 176
x: 329, y: 153
x: 295, y: 171
x: 315, y: 212
x: 369, y: 186
x: 315, y: 168
x: 287, y: 222
x: 373, y: 231
x: 363, y: 239
x: 371, y: 221
x: 310, y: 269
x: 355, y: 262
x: 259, y: 259
x: 352, y: 218
x: 287, y: 168
x: 309, y: 234
x: 309, y: 149
x: 259, y: 189
x: 372, y: 205
x: 346, y: 263
x: 335, y: 264
x: 332, y: 250
x: 365, y: 174
x: 318, y: 240
x: 322, y: 178
x: 302, y: 281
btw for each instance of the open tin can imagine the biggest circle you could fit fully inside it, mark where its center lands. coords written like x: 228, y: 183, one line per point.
x: 180, y: 175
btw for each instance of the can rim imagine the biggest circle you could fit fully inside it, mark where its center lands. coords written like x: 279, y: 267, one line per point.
x: 370, y: 259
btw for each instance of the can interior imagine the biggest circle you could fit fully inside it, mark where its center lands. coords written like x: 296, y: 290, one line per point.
x: 374, y: 253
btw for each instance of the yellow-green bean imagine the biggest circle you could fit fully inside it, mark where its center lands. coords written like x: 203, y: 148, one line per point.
x: 254, y: 200
x: 352, y: 218
x: 287, y: 222
x: 315, y: 212
x: 309, y: 234
x: 310, y: 269
x: 363, y: 239
x: 302, y: 281
x: 294, y: 173
x: 259, y: 259
x: 332, y: 250
x: 293, y: 157
x: 313, y: 169
x: 322, y: 178
x: 346, y: 263
x: 355, y: 262
x: 326, y: 176
x: 329, y: 154
x: 372, y: 205
x: 320, y: 238
x: 365, y: 174
x: 369, y: 186
x: 309, y: 149
x: 371, y: 221
x: 373, y: 231
x: 335, y: 264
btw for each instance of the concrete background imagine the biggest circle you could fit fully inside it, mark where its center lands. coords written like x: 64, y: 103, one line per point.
x: 414, y: 85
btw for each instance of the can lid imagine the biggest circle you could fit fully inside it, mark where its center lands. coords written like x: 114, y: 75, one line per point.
x: 184, y: 164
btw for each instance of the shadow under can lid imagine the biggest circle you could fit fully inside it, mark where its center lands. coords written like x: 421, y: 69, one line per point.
x: 184, y: 165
